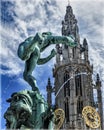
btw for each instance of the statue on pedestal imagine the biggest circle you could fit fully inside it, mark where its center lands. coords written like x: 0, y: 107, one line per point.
x: 28, y: 109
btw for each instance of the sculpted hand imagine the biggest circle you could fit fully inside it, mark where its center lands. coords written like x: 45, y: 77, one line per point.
x: 71, y: 41
x: 53, y: 52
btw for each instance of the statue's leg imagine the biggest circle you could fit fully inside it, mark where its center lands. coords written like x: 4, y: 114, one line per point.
x: 29, y: 67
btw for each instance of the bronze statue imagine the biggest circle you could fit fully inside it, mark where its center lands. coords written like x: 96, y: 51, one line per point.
x: 28, y: 109
x: 30, y: 51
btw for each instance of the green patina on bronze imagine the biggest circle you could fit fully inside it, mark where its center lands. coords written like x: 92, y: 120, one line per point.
x: 28, y: 109
x: 30, y: 51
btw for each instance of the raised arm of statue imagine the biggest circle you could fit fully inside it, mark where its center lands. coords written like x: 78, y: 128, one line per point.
x: 61, y: 39
x: 50, y: 39
x: 48, y: 58
x: 30, y: 51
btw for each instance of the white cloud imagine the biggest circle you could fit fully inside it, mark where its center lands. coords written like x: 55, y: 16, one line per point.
x: 26, y: 18
x: 32, y: 17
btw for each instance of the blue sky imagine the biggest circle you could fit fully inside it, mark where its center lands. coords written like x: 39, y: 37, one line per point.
x: 23, y: 18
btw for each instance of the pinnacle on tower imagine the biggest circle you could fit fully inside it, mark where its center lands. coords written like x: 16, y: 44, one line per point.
x: 49, y: 92
x: 99, y: 98
x: 98, y: 82
x: 85, y: 42
x: 97, y: 77
x: 49, y: 87
x: 69, y: 24
x: 49, y: 83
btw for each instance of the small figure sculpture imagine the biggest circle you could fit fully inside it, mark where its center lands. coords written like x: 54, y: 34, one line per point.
x: 30, y: 51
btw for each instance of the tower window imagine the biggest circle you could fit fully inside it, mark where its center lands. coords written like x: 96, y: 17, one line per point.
x: 67, y: 85
x: 79, y: 106
x: 78, y: 84
x: 65, y: 46
x: 73, y: 52
x: 67, y: 110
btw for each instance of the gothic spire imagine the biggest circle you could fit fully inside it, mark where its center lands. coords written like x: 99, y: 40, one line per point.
x: 49, y: 92
x: 98, y: 82
x: 97, y: 77
x: 69, y: 24
x: 85, y: 42
x: 49, y: 82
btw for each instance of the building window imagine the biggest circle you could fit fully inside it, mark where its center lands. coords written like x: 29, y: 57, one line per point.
x: 74, y: 51
x: 79, y: 106
x: 67, y: 110
x: 67, y: 85
x: 78, y: 84
x: 66, y: 46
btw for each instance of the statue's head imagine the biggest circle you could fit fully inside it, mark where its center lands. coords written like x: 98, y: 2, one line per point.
x: 43, y: 43
x: 21, y: 101
x: 20, y: 108
x: 28, y: 110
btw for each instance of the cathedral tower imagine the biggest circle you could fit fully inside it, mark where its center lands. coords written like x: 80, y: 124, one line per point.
x: 73, y: 76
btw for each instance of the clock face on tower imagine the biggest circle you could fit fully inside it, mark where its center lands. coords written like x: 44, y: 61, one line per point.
x: 59, y: 118
x: 91, y: 117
